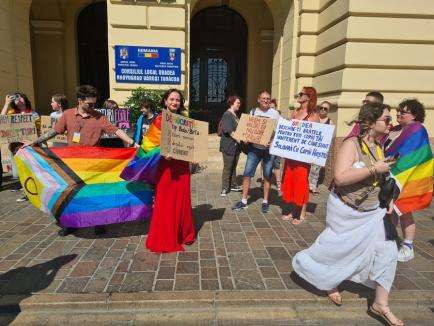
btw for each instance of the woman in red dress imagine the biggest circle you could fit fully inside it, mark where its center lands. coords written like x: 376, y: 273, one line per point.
x: 295, y: 186
x: 172, y: 218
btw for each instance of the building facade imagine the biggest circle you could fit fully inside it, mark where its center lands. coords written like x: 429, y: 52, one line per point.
x: 344, y: 48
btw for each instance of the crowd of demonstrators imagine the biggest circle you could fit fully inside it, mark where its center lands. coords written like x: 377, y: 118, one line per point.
x: 229, y: 146
x: 18, y: 103
x: 259, y: 153
x: 84, y: 127
x: 409, y: 114
x: 172, y: 217
x: 315, y: 170
x: 295, y: 187
x: 145, y: 120
x: 354, y: 245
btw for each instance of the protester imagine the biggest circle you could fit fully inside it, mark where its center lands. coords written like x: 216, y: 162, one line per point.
x: 229, y: 146
x: 295, y: 187
x: 18, y: 103
x: 354, y: 246
x: 315, y: 170
x: 277, y: 159
x: 259, y: 153
x: 110, y: 104
x: 59, y: 103
x: 409, y: 140
x: 172, y: 217
x: 111, y: 142
x: 145, y: 120
x: 84, y: 127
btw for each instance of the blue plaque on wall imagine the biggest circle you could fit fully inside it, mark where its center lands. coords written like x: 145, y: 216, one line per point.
x: 147, y: 65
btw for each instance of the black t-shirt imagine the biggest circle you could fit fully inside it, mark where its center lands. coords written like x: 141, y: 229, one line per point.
x: 229, y: 124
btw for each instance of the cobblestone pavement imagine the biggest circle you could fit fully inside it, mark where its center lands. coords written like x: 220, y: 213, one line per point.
x: 234, y: 251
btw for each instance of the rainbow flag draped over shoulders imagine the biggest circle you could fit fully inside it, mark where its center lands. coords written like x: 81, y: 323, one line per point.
x: 143, y: 167
x: 414, y: 169
x: 80, y: 186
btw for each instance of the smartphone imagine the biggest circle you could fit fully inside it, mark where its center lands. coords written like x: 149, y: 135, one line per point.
x: 393, y: 158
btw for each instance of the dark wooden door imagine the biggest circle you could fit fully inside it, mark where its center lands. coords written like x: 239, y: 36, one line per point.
x: 218, y: 62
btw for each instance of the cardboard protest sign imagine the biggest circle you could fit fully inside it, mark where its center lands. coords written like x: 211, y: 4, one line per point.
x: 15, y: 129
x: 121, y: 118
x: 47, y: 124
x: 184, y: 138
x: 302, y: 141
x: 255, y: 130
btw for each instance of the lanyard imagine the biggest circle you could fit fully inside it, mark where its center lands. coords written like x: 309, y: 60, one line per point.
x: 371, y: 156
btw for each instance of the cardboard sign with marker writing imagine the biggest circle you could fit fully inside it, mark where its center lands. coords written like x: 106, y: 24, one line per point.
x: 255, y: 130
x: 184, y: 138
x: 47, y: 124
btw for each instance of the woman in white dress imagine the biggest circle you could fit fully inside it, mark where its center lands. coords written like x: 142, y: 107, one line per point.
x: 354, y: 246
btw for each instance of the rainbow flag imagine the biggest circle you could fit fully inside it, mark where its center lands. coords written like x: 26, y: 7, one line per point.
x: 143, y: 167
x: 81, y: 187
x: 413, y: 171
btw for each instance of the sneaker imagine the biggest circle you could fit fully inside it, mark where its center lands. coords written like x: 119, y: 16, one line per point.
x: 237, y: 188
x: 405, y: 253
x: 22, y: 199
x: 239, y: 206
x: 224, y: 193
x: 63, y: 232
x: 265, y: 207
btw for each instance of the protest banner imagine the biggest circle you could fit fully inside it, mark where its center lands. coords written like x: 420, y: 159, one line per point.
x: 15, y: 128
x: 184, y: 138
x: 121, y: 118
x: 47, y: 124
x: 302, y: 141
x: 255, y: 130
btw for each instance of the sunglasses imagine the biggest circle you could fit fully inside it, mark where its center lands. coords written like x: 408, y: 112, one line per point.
x: 324, y: 108
x: 301, y: 94
x: 387, y: 120
x: 402, y: 112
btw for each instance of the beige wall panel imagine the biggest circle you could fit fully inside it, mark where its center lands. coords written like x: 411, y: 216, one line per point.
x: 389, y: 79
x: 173, y: 17
x: 125, y: 15
x: 400, y: 29
x: 307, y: 44
x: 24, y: 68
x: 403, y: 7
x: 331, y: 82
x: 8, y: 84
x: 46, y: 10
x: 309, y: 5
x: 308, y: 23
x: 121, y: 36
x: 333, y: 13
x: 5, y: 62
x: 389, y: 54
x: 335, y: 34
x: 330, y: 60
x: 305, y: 65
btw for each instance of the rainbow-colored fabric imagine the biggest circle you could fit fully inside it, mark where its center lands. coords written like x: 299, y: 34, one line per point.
x: 413, y: 171
x: 143, y: 167
x: 80, y: 186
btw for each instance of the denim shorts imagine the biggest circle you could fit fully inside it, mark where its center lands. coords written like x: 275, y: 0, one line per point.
x: 276, y: 164
x: 255, y: 156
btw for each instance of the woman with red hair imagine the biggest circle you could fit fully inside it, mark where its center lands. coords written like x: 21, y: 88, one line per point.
x: 295, y: 186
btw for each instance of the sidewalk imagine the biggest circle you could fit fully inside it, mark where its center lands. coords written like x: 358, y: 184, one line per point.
x: 241, y: 251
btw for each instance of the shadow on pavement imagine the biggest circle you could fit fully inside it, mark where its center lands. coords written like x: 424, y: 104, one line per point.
x: 206, y: 213
x: 19, y: 284
x: 119, y: 230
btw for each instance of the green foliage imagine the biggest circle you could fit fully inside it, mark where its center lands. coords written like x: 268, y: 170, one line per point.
x: 138, y: 95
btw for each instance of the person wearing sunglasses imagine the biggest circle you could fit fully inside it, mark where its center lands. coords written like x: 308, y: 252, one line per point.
x: 84, y: 127
x: 402, y: 139
x: 315, y: 170
x: 295, y: 186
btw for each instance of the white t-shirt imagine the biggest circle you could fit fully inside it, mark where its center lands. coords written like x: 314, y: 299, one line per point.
x: 269, y: 113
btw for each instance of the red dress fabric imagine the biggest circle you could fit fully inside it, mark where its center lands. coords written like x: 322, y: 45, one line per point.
x: 295, y: 184
x: 172, y: 218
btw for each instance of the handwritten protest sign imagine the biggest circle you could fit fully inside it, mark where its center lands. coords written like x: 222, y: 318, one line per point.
x: 14, y: 129
x: 121, y: 118
x: 47, y: 123
x: 184, y: 138
x: 302, y: 141
x: 255, y: 130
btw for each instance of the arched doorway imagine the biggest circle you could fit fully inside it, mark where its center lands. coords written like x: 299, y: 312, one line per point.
x: 218, y: 62
x: 93, y: 48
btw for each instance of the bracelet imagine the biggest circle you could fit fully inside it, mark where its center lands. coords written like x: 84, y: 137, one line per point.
x: 371, y: 170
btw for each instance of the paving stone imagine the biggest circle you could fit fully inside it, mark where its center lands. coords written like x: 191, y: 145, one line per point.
x: 138, y: 281
x: 208, y: 273
x: 186, y: 282
x: 187, y: 268
x: 208, y: 285
x: 166, y: 273
x: 73, y: 284
x: 84, y: 269
x: 164, y: 285
x: 145, y: 261
x: 188, y: 256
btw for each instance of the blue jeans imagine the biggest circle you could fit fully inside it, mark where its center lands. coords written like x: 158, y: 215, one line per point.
x: 254, y: 157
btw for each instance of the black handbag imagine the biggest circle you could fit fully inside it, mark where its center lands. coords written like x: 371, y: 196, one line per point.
x: 387, y: 192
x: 245, y: 148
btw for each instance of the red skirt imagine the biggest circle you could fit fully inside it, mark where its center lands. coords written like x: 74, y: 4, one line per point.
x: 295, y: 185
x: 172, y: 217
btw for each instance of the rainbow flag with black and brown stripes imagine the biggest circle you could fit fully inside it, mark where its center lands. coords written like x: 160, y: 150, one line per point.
x: 80, y: 186
x: 143, y: 167
x: 414, y: 169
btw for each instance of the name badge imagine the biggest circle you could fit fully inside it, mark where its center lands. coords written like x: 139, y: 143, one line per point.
x: 76, y: 137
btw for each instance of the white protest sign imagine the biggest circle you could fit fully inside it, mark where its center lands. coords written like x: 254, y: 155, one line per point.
x: 303, y: 141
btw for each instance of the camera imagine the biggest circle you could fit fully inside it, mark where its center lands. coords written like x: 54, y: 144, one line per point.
x: 14, y: 97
